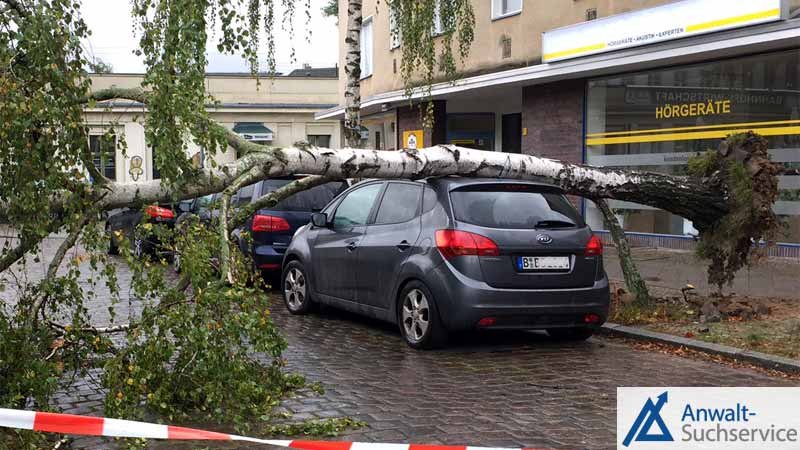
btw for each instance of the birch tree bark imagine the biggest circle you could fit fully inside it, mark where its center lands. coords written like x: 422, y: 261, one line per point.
x: 633, y: 279
x: 352, y: 70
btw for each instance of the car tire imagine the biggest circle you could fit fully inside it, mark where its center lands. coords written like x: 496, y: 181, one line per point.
x: 296, y: 290
x: 418, y: 317
x: 571, y: 334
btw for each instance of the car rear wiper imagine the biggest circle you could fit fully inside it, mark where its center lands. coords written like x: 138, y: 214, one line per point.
x: 554, y: 224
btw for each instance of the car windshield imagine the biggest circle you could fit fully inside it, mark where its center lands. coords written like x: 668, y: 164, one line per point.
x: 313, y: 199
x: 513, y: 206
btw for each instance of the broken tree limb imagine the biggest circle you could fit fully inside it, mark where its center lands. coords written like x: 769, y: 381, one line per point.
x: 633, y: 279
x: 274, y: 197
x: 224, y: 238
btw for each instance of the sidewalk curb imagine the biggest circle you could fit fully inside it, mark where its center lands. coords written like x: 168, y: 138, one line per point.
x: 757, y: 358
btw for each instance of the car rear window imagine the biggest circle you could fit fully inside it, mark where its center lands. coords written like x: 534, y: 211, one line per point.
x: 513, y: 206
x: 313, y: 199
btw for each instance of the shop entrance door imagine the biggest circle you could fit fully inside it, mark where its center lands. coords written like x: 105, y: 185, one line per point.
x: 512, y: 133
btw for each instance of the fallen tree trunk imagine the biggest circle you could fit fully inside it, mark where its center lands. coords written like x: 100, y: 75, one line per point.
x: 688, y: 197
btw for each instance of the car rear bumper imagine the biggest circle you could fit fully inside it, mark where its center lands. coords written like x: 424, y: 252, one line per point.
x: 266, y: 257
x: 463, y: 302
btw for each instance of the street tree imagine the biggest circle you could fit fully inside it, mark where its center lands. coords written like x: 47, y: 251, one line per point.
x: 202, y: 344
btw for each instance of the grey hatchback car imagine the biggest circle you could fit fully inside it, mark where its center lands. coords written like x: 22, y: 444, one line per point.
x: 447, y: 254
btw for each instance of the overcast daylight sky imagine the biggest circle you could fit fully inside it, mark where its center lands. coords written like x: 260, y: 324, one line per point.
x: 113, y: 39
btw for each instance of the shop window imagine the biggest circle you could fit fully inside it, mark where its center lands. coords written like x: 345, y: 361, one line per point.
x: 657, y: 120
x: 505, y: 8
x: 319, y: 140
x: 472, y: 130
x: 366, y: 48
x: 104, y: 154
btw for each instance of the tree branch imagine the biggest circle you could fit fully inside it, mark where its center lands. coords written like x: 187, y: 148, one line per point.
x: 633, y: 279
x: 239, y: 144
x: 224, y: 238
x: 274, y: 197
x: 55, y: 263
x: 26, y: 244
x: 17, y: 7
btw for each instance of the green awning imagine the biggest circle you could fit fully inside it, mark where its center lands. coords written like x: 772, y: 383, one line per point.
x: 253, y: 131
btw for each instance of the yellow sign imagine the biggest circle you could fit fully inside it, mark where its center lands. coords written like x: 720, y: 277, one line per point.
x: 709, y: 108
x: 413, y: 139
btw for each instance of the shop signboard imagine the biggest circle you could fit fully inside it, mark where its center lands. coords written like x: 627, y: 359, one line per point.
x: 661, y: 23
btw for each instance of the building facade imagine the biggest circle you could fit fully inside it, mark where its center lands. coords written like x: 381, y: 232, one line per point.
x: 279, y: 112
x: 625, y: 83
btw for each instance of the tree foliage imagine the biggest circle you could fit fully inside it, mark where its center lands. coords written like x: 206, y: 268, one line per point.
x: 331, y: 9
x: 435, y: 35
x: 198, y: 347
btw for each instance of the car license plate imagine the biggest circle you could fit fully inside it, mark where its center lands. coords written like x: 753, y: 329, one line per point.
x: 525, y: 263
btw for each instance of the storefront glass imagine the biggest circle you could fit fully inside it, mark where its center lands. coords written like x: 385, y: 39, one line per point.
x: 656, y: 120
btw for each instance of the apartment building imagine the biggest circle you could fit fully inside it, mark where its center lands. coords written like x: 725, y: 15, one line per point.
x: 280, y: 111
x: 640, y: 84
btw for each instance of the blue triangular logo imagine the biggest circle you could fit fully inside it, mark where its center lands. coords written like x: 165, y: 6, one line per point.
x: 649, y: 415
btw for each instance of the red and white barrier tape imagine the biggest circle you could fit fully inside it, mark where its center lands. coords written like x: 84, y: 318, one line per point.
x: 99, y: 426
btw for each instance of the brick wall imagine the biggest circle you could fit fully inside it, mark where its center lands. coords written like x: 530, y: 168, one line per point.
x: 553, y: 115
x: 408, y: 118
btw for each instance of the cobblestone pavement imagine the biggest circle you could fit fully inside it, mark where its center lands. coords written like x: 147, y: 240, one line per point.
x: 504, y: 389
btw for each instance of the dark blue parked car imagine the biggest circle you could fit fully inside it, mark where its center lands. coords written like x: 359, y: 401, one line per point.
x: 272, y: 229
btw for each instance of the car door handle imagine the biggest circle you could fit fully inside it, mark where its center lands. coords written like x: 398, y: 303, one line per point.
x: 403, y: 246
x: 351, y: 246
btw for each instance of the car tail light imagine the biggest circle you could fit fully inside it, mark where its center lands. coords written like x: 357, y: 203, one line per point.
x: 157, y: 212
x: 452, y: 243
x: 269, y: 224
x: 487, y: 322
x: 591, y: 319
x: 269, y: 266
x: 594, y: 247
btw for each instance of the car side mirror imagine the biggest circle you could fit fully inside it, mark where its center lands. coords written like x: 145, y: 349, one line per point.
x: 319, y: 219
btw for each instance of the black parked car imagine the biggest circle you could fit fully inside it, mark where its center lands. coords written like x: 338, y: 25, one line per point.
x: 124, y: 223
x: 450, y: 254
x: 271, y: 229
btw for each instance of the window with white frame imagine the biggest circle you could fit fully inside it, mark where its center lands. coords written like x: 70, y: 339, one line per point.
x: 366, y: 48
x: 104, y: 154
x: 394, y: 30
x: 503, y: 8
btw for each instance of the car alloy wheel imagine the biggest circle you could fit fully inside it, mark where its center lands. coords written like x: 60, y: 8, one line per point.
x: 416, y: 315
x: 294, y: 289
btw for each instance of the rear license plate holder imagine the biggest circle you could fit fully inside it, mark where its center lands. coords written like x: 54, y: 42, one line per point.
x: 542, y: 263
